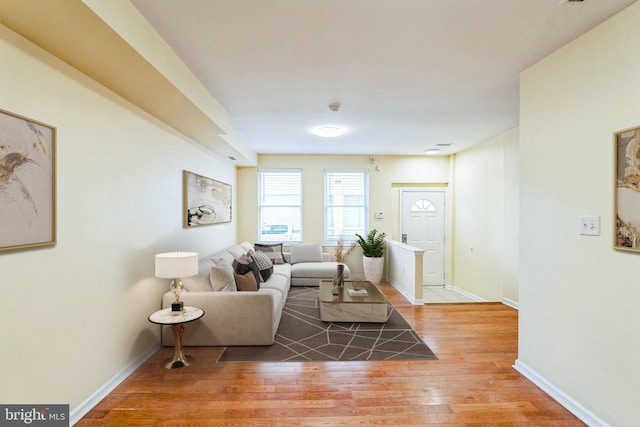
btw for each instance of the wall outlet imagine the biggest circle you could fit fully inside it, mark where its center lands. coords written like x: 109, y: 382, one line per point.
x: 379, y: 215
x: 590, y: 225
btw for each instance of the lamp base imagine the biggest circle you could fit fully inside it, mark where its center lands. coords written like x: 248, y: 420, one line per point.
x: 177, y: 306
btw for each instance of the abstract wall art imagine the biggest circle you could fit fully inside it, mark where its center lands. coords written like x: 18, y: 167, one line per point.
x: 627, y: 190
x: 27, y: 183
x: 206, y: 201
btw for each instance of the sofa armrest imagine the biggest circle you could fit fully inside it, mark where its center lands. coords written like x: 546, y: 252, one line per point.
x: 231, y: 318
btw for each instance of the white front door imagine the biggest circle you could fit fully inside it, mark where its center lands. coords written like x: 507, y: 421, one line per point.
x: 423, y: 227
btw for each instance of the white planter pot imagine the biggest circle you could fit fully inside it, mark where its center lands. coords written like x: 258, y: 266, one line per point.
x: 373, y: 268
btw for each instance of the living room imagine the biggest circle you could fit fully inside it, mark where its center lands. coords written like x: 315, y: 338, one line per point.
x: 75, y: 314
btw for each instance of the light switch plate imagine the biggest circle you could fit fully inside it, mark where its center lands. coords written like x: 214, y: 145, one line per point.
x: 590, y: 225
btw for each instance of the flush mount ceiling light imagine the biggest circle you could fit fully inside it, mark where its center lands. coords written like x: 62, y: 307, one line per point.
x: 328, y: 131
x: 432, y: 151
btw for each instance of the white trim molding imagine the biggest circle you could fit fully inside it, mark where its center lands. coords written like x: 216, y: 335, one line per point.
x: 511, y: 303
x: 560, y: 396
x: 410, y: 298
x: 82, y: 409
x: 467, y: 294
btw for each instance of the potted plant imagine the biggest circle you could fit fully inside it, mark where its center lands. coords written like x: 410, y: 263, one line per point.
x: 372, y: 255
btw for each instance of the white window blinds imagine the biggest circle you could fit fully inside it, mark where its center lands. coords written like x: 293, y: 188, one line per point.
x: 280, y: 205
x: 346, y: 204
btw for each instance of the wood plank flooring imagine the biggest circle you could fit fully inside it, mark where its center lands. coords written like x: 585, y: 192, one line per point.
x: 472, y: 384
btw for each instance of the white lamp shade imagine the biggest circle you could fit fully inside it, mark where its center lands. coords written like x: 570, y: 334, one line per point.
x: 172, y: 265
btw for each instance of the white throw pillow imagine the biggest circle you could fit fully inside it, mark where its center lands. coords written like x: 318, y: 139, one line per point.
x: 221, y: 277
x: 307, y: 252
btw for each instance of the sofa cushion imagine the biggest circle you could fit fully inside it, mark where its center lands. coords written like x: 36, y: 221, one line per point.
x: 237, y: 251
x: 307, y: 252
x: 323, y: 270
x: 264, y: 264
x: 272, y: 250
x: 246, y: 282
x: 248, y: 247
x: 283, y: 270
x: 199, y: 282
x: 221, y: 277
x: 279, y: 283
x: 225, y: 255
x: 244, y: 265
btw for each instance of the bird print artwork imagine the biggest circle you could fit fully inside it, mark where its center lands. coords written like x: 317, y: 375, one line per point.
x: 26, y: 181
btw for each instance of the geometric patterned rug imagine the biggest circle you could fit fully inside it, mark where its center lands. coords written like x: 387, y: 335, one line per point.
x: 302, y: 336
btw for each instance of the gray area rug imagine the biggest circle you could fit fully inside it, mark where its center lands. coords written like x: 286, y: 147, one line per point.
x: 302, y: 336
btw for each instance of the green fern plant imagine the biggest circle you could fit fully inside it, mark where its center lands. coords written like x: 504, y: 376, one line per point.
x: 373, y: 245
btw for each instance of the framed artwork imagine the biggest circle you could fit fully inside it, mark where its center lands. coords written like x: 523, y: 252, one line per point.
x: 206, y: 201
x: 627, y: 190
x: 27, y: 183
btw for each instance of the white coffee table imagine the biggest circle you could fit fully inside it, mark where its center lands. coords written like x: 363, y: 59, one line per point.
x: 344, y: 307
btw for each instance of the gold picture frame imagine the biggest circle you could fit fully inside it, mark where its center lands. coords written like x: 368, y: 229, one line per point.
x: 206, y: 201
x: 27, y: 182
x: 626, y: 190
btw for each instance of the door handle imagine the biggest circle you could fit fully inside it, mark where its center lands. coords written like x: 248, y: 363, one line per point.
x: 404, y: 238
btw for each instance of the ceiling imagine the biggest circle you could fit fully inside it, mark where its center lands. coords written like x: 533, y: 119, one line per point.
x: 409, y: 74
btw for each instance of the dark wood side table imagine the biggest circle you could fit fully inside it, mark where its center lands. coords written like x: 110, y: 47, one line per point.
x: 177, y: 320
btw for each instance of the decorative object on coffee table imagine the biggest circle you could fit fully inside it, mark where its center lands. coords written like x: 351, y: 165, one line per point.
x: 342, y: 253
x: 340, y: 275
x: 372, y: 255
x: 174, y: 265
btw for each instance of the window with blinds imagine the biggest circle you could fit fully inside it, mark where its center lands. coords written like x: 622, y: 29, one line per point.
x: 280, y: 205
x: 346, y: 205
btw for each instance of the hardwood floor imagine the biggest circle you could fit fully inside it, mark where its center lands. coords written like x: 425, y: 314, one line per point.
x: 472, y: 384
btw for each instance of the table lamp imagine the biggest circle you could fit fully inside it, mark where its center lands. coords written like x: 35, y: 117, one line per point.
x: 174, y: 265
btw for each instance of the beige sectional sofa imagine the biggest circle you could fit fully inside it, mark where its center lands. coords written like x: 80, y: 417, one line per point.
x: 236, y: 318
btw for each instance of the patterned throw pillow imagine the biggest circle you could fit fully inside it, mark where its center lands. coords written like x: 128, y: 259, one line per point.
x: 273, y: 251
x: 264, y: 263
x: 241, y: 268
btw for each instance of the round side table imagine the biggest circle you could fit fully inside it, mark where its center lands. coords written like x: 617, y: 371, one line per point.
x: 177, y: 319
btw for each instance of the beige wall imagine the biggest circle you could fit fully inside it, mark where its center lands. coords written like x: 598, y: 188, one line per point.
x: 394, y: 173
x: 579, y: 298
x: 75, y: 315
x: 485, y: 219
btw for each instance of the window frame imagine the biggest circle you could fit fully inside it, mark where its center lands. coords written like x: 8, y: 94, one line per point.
x: 365, y: 206
x: 262, y: 205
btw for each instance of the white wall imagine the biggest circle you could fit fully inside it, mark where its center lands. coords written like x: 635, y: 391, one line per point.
x: 395, y: 172
x: 485, y: 218
x: 74, y: 315
x: 579, y: 298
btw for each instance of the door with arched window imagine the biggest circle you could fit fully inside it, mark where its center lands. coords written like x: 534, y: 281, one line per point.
x: 423, y: 226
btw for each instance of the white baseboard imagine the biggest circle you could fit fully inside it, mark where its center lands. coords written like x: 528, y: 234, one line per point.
x: 510, y: 303
x: 467, y: 294
x: 82, y: 409
x: 561, y: 397
x: 410, y: 298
